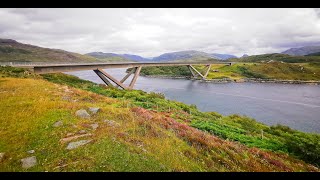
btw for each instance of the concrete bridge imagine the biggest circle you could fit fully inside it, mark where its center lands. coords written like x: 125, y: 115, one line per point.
x: 136, y: 68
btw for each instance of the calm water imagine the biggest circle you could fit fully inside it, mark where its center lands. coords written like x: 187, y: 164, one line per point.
x: 297, y: 106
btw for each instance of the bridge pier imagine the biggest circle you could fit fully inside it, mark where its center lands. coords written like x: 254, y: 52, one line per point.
x: 105, y: 77
x: 196, y: 73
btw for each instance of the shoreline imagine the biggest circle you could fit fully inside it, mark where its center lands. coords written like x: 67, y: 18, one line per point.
x: 244, y: 80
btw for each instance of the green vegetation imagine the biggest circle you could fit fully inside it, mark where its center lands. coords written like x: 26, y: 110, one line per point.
x: 243, y: 129
x: 165, y: 70
x: 314, y: 54
x: 13, y: 51
x: 154, y: 134
x: 271, y: 70
x: 254, y: 134
x: 277, y: 57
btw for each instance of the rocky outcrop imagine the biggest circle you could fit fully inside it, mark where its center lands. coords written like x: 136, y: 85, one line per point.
x: 94, y: 110
x: 57, y: 124
x: 74, y: 145
x: 29, y: 162
x: 82, y: 113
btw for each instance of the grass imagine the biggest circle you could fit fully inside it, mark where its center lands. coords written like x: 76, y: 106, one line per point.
x: 151, y: 137
x: 166, y: 70
x: 278, y: 57
x: 272, y: 70
x: 17, y: 52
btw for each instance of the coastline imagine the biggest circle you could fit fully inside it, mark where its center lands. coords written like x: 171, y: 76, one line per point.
x: 228, y: 80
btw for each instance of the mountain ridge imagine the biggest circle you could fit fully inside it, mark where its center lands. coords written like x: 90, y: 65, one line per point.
x: 169, y: 56
x: 302, y: 51
x: 12, y: 50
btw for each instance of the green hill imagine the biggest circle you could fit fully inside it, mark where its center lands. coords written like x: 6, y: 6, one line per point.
x: 277, y: 57
x: 13, y: 51
x: 240, y: 70
x: 42, y: 129
x: 314, y: 54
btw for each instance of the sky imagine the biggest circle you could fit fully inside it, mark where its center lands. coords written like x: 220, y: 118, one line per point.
x: 151, y: 32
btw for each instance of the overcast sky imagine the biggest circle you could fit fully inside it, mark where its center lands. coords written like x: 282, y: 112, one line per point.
x: 151, y: 32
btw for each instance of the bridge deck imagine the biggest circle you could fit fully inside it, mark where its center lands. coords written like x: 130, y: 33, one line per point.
x: 42, y: 69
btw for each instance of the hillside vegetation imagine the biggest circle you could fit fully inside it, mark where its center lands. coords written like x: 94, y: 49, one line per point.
x: 165, y: 70
x: 112, y: 57
x: 271, y: 70
x: 277, y: 57
x: 13, y: 51
x: 134, y: 131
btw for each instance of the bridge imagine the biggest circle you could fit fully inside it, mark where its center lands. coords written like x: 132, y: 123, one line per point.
x: 136, y: 68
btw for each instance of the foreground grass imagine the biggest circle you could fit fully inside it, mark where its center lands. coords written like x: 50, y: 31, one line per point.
x: 145, y: 140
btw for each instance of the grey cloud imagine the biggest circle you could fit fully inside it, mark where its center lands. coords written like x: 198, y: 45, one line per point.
x: 150, y: 32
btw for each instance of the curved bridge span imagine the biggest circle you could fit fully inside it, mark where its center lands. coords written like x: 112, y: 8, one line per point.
x: 136, y: 68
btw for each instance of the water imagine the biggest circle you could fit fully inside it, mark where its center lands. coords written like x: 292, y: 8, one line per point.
x: 294, y: 105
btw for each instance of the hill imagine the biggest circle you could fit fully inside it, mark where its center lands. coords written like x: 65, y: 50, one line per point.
x: 184, y: 55
x: 224, y: 56
x: 269, y: 70
x: 277, y: 57
x: 314, y: 54
x: 69, y: 124
x: 13, y: 51
x: 166, y: 57
x: 302, y: 50
x: 122, y: 57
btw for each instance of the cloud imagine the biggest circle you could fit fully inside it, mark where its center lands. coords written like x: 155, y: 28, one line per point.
x: 150, y: 32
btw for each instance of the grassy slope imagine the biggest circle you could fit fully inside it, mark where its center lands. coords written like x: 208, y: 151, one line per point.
x: 146, y: 140
x: 274, y: 70
x: 278, y: 57
x: 166, y: 70
x: 12, y: 51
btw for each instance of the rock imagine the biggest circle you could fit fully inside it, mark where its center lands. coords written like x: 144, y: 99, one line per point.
x: 77, y: 144
x: 1, y: 156
x: 111, y: 123
x: 82, y: 131
x: 94, y: 110
x: 31, y: 151
x: 239, y: 80
x: 66, y: 98
x: 29, y: 162
x: 57, y: 124
x: 83, y: 114
x: 70, y: 134
x: 94, y: 126
x: 67, y: 139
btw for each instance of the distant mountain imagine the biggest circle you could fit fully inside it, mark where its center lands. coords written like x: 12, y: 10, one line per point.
x: 245, y: 55
x: 224, y: 56
x: 127, y: 57
x: 172, y: 56
x: 184, y: 55
x: 13, y: 51
x: 302, y: 50
x: 134, y: 57
x: 314, y: 54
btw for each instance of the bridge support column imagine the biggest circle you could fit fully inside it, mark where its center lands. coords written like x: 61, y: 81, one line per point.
x: 105, y: 77
x: 135, y: 77
x: 207, y: 72
x: 190, y: 69
x: 102, y: 77
x: 196, y: 73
